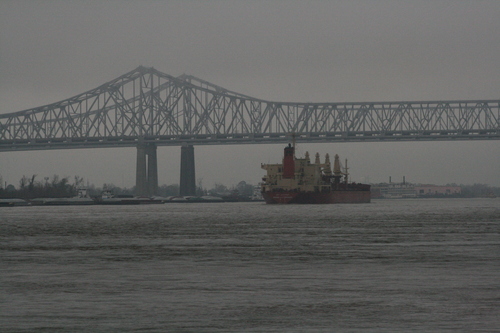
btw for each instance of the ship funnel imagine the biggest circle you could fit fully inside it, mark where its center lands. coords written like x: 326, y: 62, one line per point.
x: 289, y: 162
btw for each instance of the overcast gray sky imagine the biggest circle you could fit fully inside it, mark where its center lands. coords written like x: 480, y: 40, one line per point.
x: 296, y: 51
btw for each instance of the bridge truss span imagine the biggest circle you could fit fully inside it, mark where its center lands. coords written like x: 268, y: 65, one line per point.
x: 147, y: 106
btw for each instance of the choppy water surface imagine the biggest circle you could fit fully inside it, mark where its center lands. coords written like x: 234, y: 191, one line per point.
x: 392, y: 265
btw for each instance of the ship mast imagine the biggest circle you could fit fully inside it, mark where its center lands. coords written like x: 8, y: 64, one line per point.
x: 346, y: 172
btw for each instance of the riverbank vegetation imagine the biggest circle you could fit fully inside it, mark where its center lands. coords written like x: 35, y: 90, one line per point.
x: 64, y: 187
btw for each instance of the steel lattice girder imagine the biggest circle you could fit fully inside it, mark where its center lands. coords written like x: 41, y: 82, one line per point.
x: 146, y: 105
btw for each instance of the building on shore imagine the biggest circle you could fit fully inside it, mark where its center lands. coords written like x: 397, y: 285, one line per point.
x: 408, y: 190
x: 437, y: 191
x: 393, y: 190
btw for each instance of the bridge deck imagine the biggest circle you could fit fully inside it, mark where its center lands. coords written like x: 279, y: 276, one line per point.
x: 147, y: 106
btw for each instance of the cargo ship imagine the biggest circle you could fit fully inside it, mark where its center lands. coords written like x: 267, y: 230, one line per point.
x: 298, y: 181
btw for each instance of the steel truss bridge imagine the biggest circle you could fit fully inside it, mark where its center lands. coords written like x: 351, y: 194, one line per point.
x: 146, y: 108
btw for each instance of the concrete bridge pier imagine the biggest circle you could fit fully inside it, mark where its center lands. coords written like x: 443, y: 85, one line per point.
x: 146, y: 180
x: 188, y: 178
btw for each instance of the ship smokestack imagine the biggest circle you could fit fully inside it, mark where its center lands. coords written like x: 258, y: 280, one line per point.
x: 289, y: 162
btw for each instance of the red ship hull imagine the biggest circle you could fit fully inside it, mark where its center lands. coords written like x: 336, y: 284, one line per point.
x: 333, y: 197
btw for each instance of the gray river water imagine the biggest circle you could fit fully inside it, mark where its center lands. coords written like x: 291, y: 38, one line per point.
x: 388, y: 266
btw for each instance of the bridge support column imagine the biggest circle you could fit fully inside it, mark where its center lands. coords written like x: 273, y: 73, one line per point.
x: 188, y: 178
x: 146, y: 180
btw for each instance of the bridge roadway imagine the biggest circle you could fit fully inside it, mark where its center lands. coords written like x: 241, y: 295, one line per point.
x: 146, y: 108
